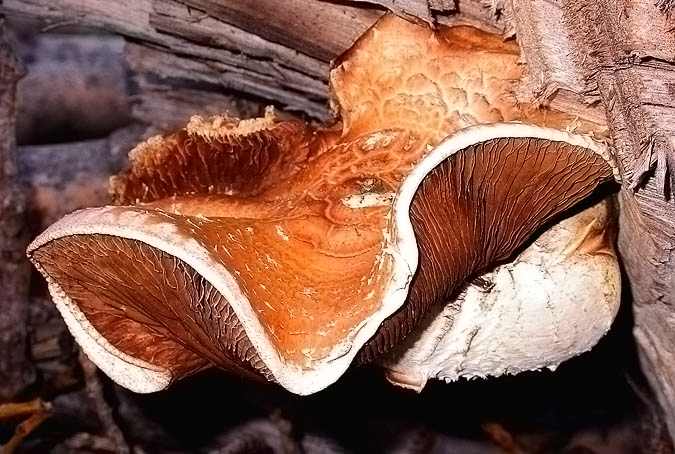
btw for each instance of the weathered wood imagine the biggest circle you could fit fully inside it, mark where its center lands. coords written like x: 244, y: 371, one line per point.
x: 256, y: 48
x: 320, y: 30
x: 16, y: 371
x: 75, y: 88
x: 622, y: 56
x: 242, y: 61
x: 168, y: 102
x: 202, y: 47
x: 61, y: 178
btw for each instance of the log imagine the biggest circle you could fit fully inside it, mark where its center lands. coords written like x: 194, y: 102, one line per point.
x: 61, y: 178
x: 612, y: 61
x: 204, y: 48
x: 168, y: 102
x: 16, y: 370
x: 264, y: 51
x: 69, y: 78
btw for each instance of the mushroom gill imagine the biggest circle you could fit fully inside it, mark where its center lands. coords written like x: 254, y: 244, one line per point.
x: 556, y: 299
x: 275, y: 249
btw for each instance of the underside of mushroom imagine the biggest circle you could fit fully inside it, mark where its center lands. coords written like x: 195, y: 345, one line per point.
x: 554, y: 300
x: 283, y: 251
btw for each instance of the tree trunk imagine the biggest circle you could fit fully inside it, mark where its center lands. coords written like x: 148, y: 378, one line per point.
x: 605, y: 59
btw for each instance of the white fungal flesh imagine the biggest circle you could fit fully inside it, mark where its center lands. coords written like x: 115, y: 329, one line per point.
x: 152, y: 228
x: 548, y: 305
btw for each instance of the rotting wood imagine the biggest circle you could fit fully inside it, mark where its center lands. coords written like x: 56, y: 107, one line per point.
x: 200, y: 47
x: 621, y: 56
x: 294, y: 24
x: 16, y: 371
x: 167, y: 103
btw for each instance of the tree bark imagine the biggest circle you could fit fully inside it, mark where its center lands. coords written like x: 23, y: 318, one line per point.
x: 604, y: 59
x: 16, y: 371
x: 621, y: 57
x: 258, y: 49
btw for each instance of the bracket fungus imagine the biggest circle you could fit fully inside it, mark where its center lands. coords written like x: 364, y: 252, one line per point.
x: 279, y: 250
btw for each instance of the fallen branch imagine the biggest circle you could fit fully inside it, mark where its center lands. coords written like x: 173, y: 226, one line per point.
x: 36, y: 410
x: 94, y: 388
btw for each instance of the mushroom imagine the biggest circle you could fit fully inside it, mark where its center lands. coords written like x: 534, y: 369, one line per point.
x: 277, y: 250
x: 555, y: 300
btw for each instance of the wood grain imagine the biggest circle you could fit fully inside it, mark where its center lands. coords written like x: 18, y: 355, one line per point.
x: 623, y: 61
